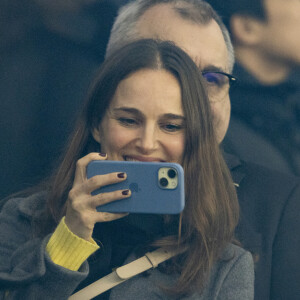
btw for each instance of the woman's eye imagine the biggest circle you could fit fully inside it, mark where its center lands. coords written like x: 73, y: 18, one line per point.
x: 172, y: 127
x: 128, y: 121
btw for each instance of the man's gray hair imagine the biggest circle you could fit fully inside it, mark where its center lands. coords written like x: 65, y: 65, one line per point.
x: 125, y: 28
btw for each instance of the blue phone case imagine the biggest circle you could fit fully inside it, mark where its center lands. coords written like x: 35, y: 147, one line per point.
x: 147, y: 193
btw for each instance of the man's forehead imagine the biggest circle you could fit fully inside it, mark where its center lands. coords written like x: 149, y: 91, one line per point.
x: 203, y: 42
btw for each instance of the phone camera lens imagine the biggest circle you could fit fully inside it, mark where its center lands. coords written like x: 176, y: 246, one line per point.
x: 172, y: 173
x: 163, y: 182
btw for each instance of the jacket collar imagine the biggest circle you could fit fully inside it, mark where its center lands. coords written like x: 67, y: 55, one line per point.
x: 245, y: 231
x: 234, y: 164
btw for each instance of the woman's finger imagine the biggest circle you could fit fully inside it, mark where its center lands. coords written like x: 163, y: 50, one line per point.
x: 104, y: 198
x: 99, y: 181
x: 81, y: 164
x: 79, y: 202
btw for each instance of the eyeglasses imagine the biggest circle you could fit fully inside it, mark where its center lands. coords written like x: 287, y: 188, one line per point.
x: 218, y: 84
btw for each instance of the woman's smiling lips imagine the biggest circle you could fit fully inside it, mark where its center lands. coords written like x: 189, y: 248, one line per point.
x: 142, y: 158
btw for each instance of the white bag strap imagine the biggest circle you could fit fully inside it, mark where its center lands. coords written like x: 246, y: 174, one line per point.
x: 121, y: 274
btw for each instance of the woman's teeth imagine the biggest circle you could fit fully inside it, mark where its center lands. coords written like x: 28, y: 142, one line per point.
x: 130, y: 159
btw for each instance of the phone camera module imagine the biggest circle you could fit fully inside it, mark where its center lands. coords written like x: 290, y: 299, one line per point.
x: 172, y: 173
x: 163, y: 182
x: 168, y: 178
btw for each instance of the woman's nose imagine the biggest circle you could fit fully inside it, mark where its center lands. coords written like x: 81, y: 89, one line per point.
x: 148, y: 140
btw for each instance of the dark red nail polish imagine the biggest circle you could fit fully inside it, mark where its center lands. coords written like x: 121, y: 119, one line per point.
x: 121, y: 175
x: 102, y: 154
x: 125, y: 192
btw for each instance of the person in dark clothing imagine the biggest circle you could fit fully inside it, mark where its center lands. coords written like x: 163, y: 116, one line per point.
x: 269, y: 223
x: 272, y: 112
x: 265, y: 122
x: 269, y: 227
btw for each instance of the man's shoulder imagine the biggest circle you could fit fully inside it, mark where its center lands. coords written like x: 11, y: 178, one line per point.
x: 248, y: 175
x: 264, y: 197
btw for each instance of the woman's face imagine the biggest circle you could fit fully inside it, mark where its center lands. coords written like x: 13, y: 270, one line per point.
x: 144, y: 121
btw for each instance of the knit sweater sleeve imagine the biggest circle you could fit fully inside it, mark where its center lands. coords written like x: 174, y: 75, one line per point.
x: 68, y: 250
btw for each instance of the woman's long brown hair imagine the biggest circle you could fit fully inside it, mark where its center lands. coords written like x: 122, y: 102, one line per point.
x: 211, y: 211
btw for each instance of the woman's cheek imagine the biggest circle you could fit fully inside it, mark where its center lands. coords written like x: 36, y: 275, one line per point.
x: 175, y: 146
x: 119, y: 137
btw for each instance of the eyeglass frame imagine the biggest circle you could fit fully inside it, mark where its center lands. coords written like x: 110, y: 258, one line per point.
x: 231, y: 79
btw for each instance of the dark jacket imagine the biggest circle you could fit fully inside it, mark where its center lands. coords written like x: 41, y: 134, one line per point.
x: 269, y: 227
x: 265, y: 122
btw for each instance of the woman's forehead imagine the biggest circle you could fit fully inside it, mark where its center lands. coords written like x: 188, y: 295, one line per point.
x: 149, y: 89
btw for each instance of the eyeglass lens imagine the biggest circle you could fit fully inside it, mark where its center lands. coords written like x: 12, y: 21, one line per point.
x: 217, y: 85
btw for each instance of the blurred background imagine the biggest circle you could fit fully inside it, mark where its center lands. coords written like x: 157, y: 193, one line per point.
x: 50, y: 50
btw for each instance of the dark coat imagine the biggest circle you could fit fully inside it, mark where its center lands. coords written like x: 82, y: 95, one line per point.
x: 265, y: 122
x: 269, y: 227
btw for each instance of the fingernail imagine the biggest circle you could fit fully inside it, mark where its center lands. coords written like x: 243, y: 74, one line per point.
x: 125, y: 192
x: 102, y: 154
x: 121, y: 175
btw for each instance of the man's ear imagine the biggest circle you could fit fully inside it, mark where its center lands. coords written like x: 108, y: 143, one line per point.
x: 96, y: 135
x: 246, y: 30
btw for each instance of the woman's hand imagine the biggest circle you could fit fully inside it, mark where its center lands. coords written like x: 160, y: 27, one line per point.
x: 81, y: 214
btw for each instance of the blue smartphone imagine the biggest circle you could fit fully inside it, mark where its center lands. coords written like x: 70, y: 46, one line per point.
x: 156, y: 188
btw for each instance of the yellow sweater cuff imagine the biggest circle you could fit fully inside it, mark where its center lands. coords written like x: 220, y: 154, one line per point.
x: 67, y: 249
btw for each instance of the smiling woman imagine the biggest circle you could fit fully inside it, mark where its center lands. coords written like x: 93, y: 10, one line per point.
x: 145, y: 120
x: 148, y: 103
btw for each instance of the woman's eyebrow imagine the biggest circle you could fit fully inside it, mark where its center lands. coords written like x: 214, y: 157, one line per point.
x: 173, y: 116
x: 137, y: 112
x: 128, y: 110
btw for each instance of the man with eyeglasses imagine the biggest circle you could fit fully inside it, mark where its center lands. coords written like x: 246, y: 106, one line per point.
x: 270, y: 207
x: 214, y: 60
